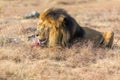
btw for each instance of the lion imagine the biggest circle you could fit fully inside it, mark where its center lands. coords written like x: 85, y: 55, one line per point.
x: 57, y: 28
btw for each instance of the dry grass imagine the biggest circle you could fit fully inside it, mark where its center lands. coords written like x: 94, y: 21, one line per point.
x: 20, y: 61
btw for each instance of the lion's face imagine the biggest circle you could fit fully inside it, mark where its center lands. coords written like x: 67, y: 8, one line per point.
x: 42, y: 32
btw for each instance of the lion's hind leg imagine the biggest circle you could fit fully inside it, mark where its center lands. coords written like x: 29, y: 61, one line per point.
x: 108, y: 39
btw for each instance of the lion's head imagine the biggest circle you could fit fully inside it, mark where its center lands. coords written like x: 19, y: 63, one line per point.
x: 51, y: 29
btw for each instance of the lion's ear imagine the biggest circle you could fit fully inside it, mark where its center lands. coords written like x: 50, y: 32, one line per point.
x: 61, y: 18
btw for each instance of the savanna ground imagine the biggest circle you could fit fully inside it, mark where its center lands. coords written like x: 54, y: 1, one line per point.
x: 20, y: 61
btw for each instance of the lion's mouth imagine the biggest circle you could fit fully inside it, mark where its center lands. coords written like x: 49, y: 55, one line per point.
x: 42, y: 42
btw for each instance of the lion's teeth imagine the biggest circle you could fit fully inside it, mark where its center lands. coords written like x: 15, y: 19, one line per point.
x: 43, y: 41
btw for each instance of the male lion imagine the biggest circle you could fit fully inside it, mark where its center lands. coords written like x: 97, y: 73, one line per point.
x: 57, y: 28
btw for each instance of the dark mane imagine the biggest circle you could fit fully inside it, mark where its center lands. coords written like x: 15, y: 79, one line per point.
x: 56, y: 13
x: 68, y: 21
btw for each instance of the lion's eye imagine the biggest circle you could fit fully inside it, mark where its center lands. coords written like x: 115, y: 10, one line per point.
x: 37, y: 35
